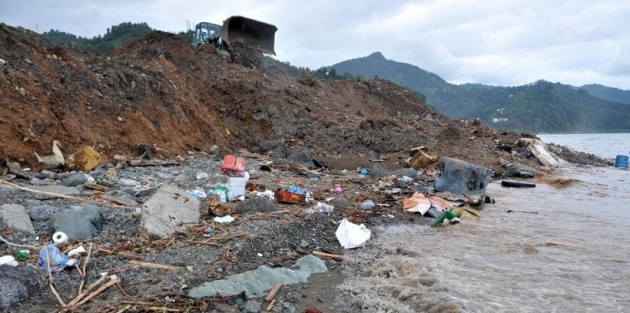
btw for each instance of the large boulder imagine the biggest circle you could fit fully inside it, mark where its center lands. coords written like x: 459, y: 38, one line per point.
x: 84, y: 160
x: 301, y: 156
x: 17, y: 284
x: 168, y: 211
x: 256, y: 204
x: 16, y: 218
x: 78, y: 224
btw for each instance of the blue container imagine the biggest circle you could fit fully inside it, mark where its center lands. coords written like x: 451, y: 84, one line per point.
x: 622, y: 161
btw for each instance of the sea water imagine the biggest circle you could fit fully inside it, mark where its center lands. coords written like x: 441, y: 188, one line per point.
x: 560, y: 249
x: 607, y: 145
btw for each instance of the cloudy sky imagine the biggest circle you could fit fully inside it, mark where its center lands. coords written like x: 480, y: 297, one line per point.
x: 501, y: 42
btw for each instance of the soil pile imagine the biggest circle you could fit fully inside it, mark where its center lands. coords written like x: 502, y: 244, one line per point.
x: 159, y: 91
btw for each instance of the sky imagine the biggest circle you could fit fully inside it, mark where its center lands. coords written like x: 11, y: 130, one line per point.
x: 492, y: 42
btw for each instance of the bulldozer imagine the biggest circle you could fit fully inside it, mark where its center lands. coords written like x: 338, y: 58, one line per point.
x: 236, y: 28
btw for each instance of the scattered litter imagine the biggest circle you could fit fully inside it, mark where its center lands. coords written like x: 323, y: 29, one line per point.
x: 76, y: 251
x: 223, y: 191
x: 267, y: 193
x: 59, y: 238
x: 201, y: 176
x: 224, y: 219
x: 197, y: 193
x: 324, y: 208
x: 51, y: 256
x: 24, y: 254
x: 367, y: 205
x: 351, y: 235
x: 338, y: 190
x: 364, y: 172
x: 291, y: 194
x: 446, y: 218
x: 8, y: 260
x: 417, y: 203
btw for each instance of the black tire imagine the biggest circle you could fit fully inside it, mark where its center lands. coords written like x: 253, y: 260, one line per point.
x: 516, y: 184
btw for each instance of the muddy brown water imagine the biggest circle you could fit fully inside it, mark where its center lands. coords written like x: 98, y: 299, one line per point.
x: 573, y: 256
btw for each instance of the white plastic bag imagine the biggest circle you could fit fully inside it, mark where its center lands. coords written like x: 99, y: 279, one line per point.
x: 352, y: 235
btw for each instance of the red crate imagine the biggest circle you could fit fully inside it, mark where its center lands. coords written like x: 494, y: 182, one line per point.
x: 288, y: 197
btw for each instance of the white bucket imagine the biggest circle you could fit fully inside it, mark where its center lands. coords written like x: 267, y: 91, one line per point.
x: 237, y: 186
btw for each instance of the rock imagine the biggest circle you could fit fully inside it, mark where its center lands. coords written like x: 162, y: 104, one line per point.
x: 303, y: 244
x: 379, y: 169
x: 75, y: 179
x: 18, y: 284
x: 42, y: 212
x: 169, y: 210
x: 280, y: 162
x: 301, y: 156
x: 128, y: 182
x: 84, y: 160
x: 257, y: 282
x: 2, y: 62
x: 14, y: 168
x: 94, y: 186
x: 252, y: 306
x: 410, y: 172
x: 22, y: 91
x: 289, y: 309
x: 16, y: 218
x: 214, y: 150
x: 78, y: 224
x: 256, y: 204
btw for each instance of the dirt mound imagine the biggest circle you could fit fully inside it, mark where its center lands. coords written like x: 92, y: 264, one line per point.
x: 159, y: 91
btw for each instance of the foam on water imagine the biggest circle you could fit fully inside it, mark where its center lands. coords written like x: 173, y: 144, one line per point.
x: 573, y: 256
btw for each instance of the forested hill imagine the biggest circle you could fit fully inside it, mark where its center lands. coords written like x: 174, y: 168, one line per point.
x: 608, y: 93
x: 536, y: 107
x: 113, y: 37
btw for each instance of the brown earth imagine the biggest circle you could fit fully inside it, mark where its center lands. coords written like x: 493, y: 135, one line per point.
x: 159, y: 91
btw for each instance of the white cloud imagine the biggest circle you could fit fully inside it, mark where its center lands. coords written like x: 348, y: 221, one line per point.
x: 490, y: 42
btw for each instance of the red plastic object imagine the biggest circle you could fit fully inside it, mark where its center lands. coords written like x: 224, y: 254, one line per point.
x: 289, y: 197
x: 232, y: 163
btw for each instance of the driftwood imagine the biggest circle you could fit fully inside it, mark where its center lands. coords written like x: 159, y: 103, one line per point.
x: 272, y: 293
x: 154, y: 265
x: 16, y: 186
x: 328, y: 255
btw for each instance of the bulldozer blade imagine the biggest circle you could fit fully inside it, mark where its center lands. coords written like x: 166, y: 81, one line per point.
x: 252, y: 32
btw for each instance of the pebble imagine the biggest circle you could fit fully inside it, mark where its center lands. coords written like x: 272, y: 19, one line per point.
x: 128, y: 182
x: 2, y: 62
x: 252, y: 307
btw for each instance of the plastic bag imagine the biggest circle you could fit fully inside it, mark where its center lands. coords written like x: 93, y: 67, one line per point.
x: 352, y: 235
x: 58, y: 261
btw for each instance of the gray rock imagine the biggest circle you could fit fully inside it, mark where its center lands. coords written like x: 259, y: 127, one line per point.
x: 14, y: 168
x: 214, y: 150
x: 276, y: 155
x: 252, y: 307
x: 256, y: 204
x: 15, y: 216
x: 169, y: 210
x: 2, y: 62
x: 128, y: 182
x: 460, y: 177
x: 75, y: 179
x: 302, y: 156
x: 42, y: 212
x: 379, y: 169
x: 410, y: 172
x: 289, y: 309
x: 78, y: 224
x: 341, y: 203
x: 280, y: 162
x: 255, y: 283
x: 17, y: 284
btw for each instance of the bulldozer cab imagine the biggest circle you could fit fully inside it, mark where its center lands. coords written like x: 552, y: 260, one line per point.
x: 205, y: 32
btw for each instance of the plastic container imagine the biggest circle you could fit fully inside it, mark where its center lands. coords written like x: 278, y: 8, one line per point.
x: 621, y: 161
x: 234, y: 164
x: 285, y: 196
x: 236, y: 186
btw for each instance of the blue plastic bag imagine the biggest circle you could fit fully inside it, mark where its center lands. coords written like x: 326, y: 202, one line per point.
x: 57, y: 259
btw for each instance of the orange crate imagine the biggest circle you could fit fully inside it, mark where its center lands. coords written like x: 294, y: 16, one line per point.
x: 288, y: 197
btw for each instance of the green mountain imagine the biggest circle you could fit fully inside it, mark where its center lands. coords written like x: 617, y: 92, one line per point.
x: 537, y: 107
x: 608, y: 93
